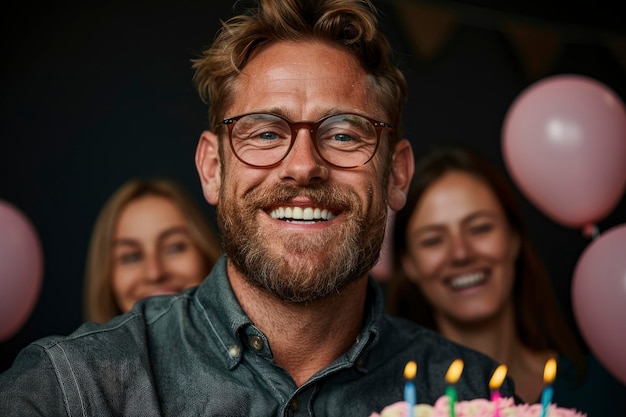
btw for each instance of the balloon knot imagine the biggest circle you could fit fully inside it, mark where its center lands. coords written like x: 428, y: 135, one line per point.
x: 590, y: 231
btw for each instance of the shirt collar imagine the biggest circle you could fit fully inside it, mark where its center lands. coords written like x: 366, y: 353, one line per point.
x: 224, y: 315
x: 229, y: 323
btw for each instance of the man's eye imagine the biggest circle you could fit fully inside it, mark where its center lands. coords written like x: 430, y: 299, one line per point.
x: 343, y: 137
x: 268, y: 135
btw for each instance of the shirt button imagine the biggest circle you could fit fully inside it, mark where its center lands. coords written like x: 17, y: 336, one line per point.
x: 293, y: 405
x: 234, y: 351
x: 256, y: 342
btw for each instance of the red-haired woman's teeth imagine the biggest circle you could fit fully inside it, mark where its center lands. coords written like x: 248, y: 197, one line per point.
x: 467, y: 280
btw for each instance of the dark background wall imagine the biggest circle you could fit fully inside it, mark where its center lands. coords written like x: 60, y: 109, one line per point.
x: 93, y: 94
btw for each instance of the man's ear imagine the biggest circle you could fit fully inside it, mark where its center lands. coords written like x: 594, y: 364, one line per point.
x: 402, y: 167
x: 209, y: 166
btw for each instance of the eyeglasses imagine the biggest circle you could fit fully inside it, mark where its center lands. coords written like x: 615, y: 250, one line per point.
x: 263, y: 140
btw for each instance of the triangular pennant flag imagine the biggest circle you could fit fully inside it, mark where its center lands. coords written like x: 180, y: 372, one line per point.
x: 617, y: 45
x: 428, y: 25
x: 536, y: 46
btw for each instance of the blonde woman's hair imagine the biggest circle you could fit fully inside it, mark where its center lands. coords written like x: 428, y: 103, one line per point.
x: 98, y: 301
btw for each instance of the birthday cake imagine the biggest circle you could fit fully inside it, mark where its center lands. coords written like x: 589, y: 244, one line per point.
x: 479, y: 407
x: 498, y: 406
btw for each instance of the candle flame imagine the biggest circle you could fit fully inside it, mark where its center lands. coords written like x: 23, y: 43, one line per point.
x: 410, y: 370
x: 498, y: 377
x: 454, y: 371
x: 549, y: 371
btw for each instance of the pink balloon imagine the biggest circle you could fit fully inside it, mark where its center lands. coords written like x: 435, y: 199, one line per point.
x: 564, y: 143
x: 599, y: 299
x: 21, y: 269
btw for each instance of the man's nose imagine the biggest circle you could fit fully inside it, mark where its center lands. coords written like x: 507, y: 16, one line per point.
x: 303, y: 164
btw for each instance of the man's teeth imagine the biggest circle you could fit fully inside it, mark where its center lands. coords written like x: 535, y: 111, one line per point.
x: 300, y: 213
x: 468, y: 280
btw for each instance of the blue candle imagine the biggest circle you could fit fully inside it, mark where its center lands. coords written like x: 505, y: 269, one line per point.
x: 549, y: 373
x: 410, y: 394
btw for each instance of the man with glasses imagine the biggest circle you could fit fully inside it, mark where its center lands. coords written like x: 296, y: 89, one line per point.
x: 303, y: 160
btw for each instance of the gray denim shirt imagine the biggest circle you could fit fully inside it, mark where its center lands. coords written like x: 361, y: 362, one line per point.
x: 198, y: 354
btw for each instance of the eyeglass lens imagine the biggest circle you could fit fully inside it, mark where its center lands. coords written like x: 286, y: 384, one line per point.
x: 344, y: 140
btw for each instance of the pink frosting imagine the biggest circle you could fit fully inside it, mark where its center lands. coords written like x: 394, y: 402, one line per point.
x: 475, y: 408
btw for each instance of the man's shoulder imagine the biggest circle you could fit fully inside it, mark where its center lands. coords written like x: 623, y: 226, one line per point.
x: 434, y: 354
x: 406, y: 332
x: 130, y: 328
x: 407, y: 328
x: 409, y: 335
x: 89, y: 339
x: 99, y: 366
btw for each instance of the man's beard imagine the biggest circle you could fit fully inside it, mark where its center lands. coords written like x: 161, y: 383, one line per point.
x: 313, y: 265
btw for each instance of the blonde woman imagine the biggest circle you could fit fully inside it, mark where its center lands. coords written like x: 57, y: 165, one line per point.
x: 150, y: 238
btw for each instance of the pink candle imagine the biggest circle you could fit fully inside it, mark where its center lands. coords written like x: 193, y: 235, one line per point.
x: 494, y: 385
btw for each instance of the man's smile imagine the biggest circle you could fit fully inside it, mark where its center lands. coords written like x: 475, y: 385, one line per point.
x: 301, y: 213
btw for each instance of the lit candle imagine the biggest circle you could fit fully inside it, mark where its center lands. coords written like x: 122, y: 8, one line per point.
x: 410, y: 394
x: 549, y: 373
x: 494, y: 385
x: 452, y: 376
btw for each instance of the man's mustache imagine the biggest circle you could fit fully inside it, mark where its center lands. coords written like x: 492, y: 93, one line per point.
x: 319, y: 194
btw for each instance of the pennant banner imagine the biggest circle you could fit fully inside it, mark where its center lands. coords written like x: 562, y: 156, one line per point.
x: 429, y: 24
